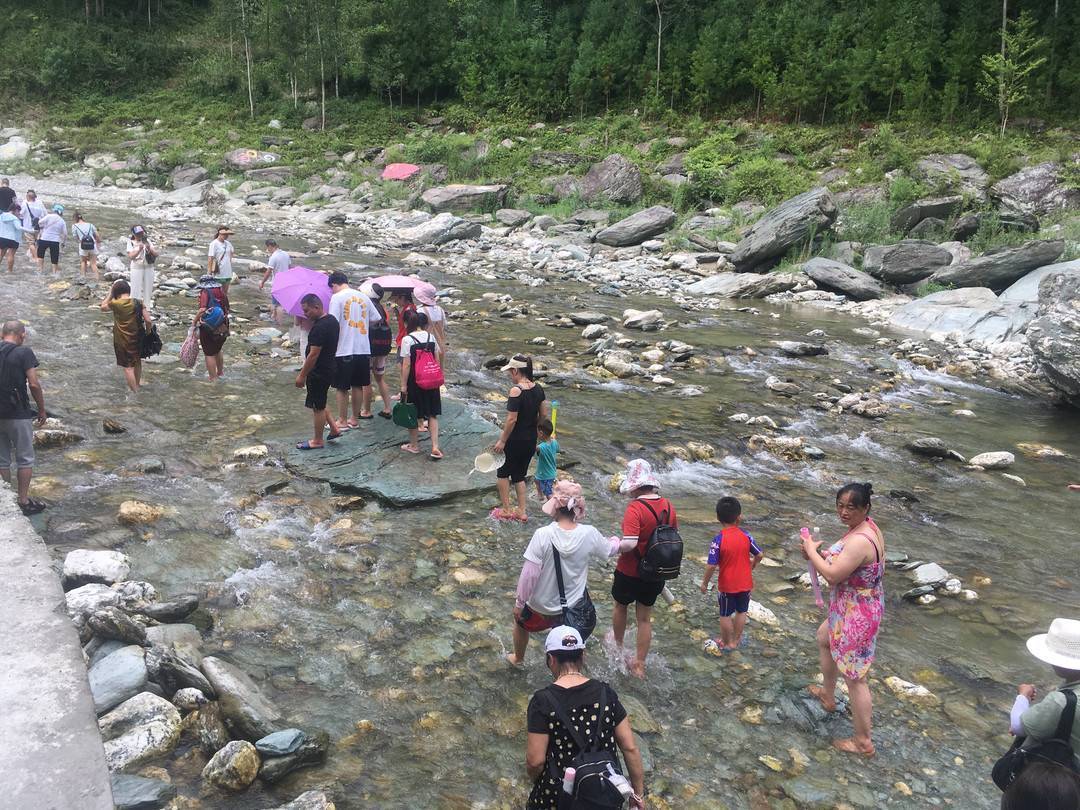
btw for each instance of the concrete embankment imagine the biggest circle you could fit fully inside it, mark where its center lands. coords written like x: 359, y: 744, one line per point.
x: 51, y: 755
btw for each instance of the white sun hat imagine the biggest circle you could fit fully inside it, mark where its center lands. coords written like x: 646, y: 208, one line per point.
x: 1060, y: 647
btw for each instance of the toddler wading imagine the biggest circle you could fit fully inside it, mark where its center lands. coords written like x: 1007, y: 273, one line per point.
x: 733, y: 555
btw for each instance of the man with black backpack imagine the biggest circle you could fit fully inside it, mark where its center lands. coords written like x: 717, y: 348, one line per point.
x: 1047, y: 731
x: 641, y: 573
x: 18, y: 372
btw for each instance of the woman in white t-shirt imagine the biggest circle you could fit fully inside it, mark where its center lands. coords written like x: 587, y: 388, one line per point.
x: 428, y: 402
x: 436, y: 317
x: 89, y: 242
x: 139, y: 248
x: 539, y: 606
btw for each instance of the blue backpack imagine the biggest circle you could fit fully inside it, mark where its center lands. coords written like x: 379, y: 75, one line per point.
x: 215, y: 313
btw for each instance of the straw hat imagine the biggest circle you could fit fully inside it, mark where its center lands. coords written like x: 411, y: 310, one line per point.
x: 1060, y: 647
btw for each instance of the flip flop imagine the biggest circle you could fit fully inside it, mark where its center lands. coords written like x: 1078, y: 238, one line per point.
x: 386, y: 414
x: 352, y: 424
x: 498, y: 514
x: 410, y: 449
x: 309, y: 446
x: 436, y: 455
x: 369, y: 416
x: 335, y: 436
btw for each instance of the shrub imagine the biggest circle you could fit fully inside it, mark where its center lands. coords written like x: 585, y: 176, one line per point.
x: 889, y: 150
x: 766, y: 180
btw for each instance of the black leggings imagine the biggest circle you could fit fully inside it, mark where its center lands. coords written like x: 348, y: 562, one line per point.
x: 519, y: 453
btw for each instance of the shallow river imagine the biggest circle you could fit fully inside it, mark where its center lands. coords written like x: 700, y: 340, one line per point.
x: 347, y: 617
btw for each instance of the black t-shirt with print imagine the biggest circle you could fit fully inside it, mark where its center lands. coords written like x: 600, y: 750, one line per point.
x: 582, y: 704
x: 324, y: 334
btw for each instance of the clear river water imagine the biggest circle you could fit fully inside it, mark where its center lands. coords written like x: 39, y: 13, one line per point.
x: 347, y: 616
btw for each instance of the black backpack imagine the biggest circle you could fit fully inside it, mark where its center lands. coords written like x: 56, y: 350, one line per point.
x: 663, y: 552
x: 593, y: 788
x: 1057, y: 750
x: 12, y: 396
x: 381, y: 337
x: 149, y: 341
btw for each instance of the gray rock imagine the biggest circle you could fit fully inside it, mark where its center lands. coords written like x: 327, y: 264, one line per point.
x: 185, y: 176
x: 836, y: 277
x: 1026, y: 290
x: 637, y: 227
x: 139, y: 729
x: 83, y: 566
x: 250, y: 158
x: 462, y: 198
x: 931, y: 226
x: 437, y: 231
x: 905, y: 262
x: 750, y: 285
x: 210, y: 729
x: 973, y: 311
x: 1054, y: 335
x: 247, y: 713
x: 645, y: 320
x: 929, y: 574
x: 915, y: 593
x: 131, y: 792
x: 188, y: 195
x: 615, y: 179
x: 562, y: 186
x: 676, y: 164
x: 311, y: 800
x: 1000, y: 268
x: 793, y: 348
x: 189, y: 699
x: 234, y: 767
x: 929, y: 447
x: 512, y: 216
x: 995, y: 460
x: 172, y: 673
x: 787, y: 225
x: 910, y: 215
x: 270, y: 174
x: 587, y: 318
x: 15, y: 149
x: 98, y: 648
x: 1036, y: 189
x: 113, y: 623
x: 280, y: 743
x: 958, y: 173
x: 177, y: 608
x: 117, y: 677
x: 182, y: 639
x: 312, y: 751
x: 591, y: 216
x: 968, y: 225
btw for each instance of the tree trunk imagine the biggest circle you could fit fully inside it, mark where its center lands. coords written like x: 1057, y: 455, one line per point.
x: 247, y: 56
x: 1050, y: 61
x: 87, y: 5
x: 1001, y: 78
x: 824, y: 107
x: 659, y: 38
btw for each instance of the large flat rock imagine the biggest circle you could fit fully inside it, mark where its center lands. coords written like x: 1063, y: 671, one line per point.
x: 369, y: 460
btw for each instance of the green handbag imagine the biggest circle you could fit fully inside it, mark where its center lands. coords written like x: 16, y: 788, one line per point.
x: 405, y: 416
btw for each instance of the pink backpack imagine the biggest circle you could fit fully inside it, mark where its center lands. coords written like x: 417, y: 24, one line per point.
x: 427, y: 372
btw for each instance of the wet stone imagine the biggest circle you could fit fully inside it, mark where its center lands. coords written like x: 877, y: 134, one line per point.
x: 131, y: 792
x: 280, y: 743
x: 312, y: 751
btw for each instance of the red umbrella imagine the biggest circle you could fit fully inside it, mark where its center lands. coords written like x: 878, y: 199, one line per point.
x: 293, y: 284
x: 400, y: 171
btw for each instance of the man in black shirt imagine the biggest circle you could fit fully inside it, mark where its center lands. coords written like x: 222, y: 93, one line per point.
x: 319, y: 366
x: 18, y: 372
x: 7, y: 194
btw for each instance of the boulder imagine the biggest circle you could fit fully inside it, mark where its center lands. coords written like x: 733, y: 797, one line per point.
x: 172, y: 673
x: 645, y: 320
x: 247, y: 713
x: 188, y: 195
x: 1037, y: 190
x: 83, y: 566
x: 83, y: 601
x: 15, y: 149
x: 749, y: 285
x: 614, y: 179
x: 794, y: 348
x: 562, y: 186
x: 927, y: 228
x: 280, y: 743
x: 975, y: 312
x: 929, y: 574
x: 464, y: 198
x: 184, y: 176
x: 250, y: 158
x: 189, y: 699
x: 910, y: 215
x: 588, y: 318
x: 234, y: 767
x: 512, y: 217
x: 136, y: 513
x: 1054, y: 335
x: 929, y: 447
x: 139, y: 729
x: 905, y: 262
x: 176, y: 609
x: 182, y: 639
x: 1001, y: 267
x: 113, y: 623
x: 311, y: 800
x: 787, y: 225
x: 836, y: 277
x: 968, y: 225
x: 117, y: 677
x: 131, y: 792
x: 997, y: 460
x: 210, y: 728
x: 957, y: 173
x: 637, y: 227
x: 1026, y: 290
x: 438, y: 230
x: 312, y: 751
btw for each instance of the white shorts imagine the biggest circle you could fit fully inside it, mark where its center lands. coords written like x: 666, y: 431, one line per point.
x: 83, y: 254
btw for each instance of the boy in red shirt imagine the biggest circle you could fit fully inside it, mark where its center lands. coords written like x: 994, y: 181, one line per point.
x: 736, y: 555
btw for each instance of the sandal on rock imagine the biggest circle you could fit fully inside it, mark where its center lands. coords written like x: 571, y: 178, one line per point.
x: 309, y: 446
x: 335, y: 436
x: 369, y: 416
x: 32, y: 507
x: 386, y: 414
x: 436, y: 455
x: 352, y: 423
x: 408, y: 448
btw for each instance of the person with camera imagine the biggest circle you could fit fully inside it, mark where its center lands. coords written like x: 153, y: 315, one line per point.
x: 142, y: 255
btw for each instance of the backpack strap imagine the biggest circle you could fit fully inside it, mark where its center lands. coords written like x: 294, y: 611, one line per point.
x: 1068, y: 715
x: 559, y: 579
x: 659, y: 522
x: 564, y: 718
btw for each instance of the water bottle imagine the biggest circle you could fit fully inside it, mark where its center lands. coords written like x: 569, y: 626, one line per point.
x: 621, y: 783
x: 669, y: 597
x: 568, y: 780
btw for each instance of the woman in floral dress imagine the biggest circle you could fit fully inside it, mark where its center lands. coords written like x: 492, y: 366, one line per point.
x: 853, y: 567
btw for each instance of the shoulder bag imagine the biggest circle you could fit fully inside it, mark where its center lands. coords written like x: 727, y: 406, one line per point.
x: 1057, y: 750
x: 582, y: 614
x: 149, y: 340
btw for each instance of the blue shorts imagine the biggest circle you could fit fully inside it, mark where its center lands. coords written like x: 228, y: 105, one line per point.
x: 731, y: 603
x: 546, y: 485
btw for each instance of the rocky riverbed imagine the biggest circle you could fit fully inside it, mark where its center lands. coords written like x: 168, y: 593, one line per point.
x: 385, y: 627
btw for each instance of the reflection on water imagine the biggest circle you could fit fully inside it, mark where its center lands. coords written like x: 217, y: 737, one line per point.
x: 350, y: 616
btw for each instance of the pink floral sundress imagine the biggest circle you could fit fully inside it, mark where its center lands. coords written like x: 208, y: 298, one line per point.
x: 856, y: 607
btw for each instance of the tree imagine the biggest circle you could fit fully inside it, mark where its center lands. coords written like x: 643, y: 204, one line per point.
x: 1006, y: 75
x: 249, y: 11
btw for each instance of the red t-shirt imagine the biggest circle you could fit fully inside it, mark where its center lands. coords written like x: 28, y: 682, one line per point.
x: 401, y: 322
x: 731, y: 552
x: 639, y: 522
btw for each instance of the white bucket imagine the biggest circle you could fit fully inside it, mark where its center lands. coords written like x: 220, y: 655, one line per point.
x: 487, y: 462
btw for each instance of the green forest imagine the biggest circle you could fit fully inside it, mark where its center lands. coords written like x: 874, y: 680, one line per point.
x: 819, y: 61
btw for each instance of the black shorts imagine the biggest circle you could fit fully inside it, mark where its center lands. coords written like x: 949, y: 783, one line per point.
x: 731, y: 603
x: 8, y: 244
x: 53, y: 248
x: 519, y: 453
x: 317, y: 388
x: 353, y: 372
x: 625, y: 590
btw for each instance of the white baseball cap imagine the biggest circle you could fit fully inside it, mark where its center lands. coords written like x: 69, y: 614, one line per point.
x: 563, y: 638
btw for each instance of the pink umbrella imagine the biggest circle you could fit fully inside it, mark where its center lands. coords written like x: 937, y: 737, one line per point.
x: 401, y: 283
x: 296, y: 282
x: 400, y: 171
